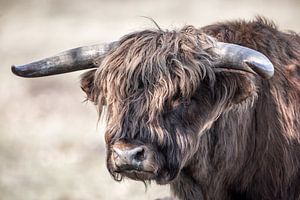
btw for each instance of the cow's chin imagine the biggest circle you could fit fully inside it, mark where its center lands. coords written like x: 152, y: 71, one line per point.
x: 151, y: 171
x: 139, y: 175
x: 144, y: 176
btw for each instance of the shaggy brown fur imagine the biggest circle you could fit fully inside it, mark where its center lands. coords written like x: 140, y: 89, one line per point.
x: 214, y: 134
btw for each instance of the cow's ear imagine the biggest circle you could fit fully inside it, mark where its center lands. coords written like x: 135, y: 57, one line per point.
x: 235, y: 87
x: 88, y: 86
x: 245, y: 89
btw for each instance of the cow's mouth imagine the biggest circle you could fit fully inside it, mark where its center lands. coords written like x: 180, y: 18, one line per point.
x: 138, y: 175
x: 149, y: 172
x: 136, y: 172
x: 143, y: 173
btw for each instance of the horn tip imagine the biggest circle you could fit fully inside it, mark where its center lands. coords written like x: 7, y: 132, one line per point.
x: 17, y: 71
x: 264, y: 68
x: 14, y: 70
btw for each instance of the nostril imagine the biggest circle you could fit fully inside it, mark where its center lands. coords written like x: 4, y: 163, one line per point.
x: 140, y: 154
x: 116, y: 152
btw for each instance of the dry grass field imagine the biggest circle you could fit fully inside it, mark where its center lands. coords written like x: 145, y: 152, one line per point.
x: 51, y: 147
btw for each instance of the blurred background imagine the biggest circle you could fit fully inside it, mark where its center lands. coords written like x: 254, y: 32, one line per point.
x: 50, y: 144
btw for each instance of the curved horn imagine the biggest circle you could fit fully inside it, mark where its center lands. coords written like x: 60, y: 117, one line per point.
x: 71, y: 60
x: 245, y: 59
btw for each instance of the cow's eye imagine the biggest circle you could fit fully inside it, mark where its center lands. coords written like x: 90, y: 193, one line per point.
x: 175, y: 103
x: 140, y: 85
x: 180, y: 103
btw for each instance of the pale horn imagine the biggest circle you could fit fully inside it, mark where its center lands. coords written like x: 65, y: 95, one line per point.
x: 71, y: 60
x: 242, y: 58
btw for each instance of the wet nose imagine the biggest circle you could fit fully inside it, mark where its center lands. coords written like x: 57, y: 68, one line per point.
x: 129, y: 159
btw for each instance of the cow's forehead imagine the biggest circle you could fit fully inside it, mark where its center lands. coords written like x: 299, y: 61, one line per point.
x: 154, y: 66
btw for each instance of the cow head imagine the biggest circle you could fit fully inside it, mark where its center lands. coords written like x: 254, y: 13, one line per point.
x: 161, y: 91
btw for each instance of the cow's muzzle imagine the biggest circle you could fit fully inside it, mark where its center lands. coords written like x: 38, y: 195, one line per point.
x: 129, y: 159
x: 135, y: 161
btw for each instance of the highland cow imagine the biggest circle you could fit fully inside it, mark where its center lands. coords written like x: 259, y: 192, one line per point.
x: 214, y: 112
